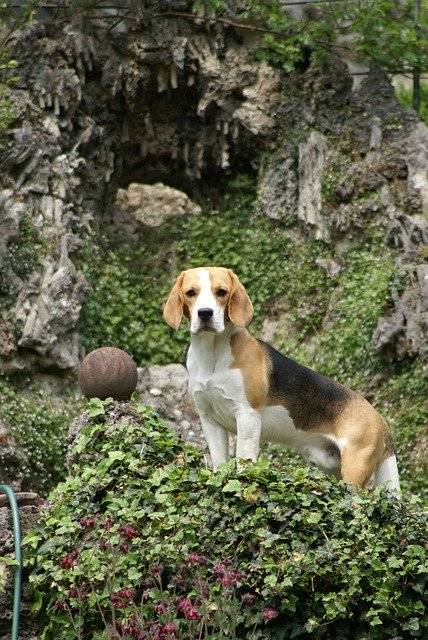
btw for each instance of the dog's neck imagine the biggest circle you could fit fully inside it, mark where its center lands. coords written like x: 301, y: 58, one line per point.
x: 209, y: 349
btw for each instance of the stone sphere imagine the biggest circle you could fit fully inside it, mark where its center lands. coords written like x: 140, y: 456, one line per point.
x: 108, y: 372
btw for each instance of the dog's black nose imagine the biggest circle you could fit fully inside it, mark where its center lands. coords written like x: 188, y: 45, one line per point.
x: 205, y: 314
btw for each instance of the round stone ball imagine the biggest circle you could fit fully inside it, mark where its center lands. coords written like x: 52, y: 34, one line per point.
x: 108, y: 372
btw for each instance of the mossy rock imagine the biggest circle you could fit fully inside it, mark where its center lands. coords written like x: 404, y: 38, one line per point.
x: 141, y: 535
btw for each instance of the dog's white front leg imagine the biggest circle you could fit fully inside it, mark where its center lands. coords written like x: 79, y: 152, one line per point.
x: 248, y: 427
x: 217, y: 439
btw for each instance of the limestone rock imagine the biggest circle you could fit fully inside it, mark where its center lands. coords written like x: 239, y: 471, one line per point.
x: 97, y: 109
x: 151, y: 205
x: 405, y: 330
x: 312, y: 155
x: 164, y: 387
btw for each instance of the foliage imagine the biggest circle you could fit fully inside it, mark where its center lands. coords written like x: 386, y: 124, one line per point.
x: 404, y: 95
x: 344, y: 347
x: 383, y: 32
x: 140, y: 536
x: 133, y: 319
x: 24, y: 255
x: 39, y: 421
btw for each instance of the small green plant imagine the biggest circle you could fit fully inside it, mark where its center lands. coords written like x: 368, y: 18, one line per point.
x: 141, y: 541
x: 404, y: 94
x: 24, y: 255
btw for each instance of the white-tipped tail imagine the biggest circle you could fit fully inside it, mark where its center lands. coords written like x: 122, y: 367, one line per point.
x: 387, y: 473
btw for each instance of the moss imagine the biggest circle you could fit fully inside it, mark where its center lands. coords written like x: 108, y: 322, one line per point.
x: 331, y: 178
x: 40, y: 420
x: 25, y: 254
x: 358, y: 299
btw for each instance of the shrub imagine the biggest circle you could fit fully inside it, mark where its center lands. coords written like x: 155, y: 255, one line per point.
x: 39, y: 420
x: 141, y: 541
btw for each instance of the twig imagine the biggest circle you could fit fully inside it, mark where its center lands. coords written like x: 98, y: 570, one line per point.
x: 225, y: 21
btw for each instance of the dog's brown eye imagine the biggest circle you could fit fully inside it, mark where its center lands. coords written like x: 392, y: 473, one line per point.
x: 221, y: 293
x: 190, y: 293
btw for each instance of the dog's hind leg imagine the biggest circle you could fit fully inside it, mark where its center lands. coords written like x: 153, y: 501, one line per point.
x: 358, y: 464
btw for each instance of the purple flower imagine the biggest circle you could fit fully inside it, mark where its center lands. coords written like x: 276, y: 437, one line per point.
x: 269, y: 614
x: 231, y: 578
x: 192, y: 614
x: 219, y: 568
x: 128, y: 531
x: 87, y: 522
x: 122, y: 598
x: 69, y: 560
x: 169, y: 629
x: 183, y: 604
x: 195, y: 558
x: 160, y: 608
x: 60, y: 605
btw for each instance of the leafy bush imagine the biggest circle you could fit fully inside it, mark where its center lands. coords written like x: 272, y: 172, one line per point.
x: 39, y: 420
x: 140, y: 541
x: 383, y: 33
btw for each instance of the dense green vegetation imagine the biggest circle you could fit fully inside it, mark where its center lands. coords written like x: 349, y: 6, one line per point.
x: 40, y: 419
x: 142, y: 540
x: 324, y: 322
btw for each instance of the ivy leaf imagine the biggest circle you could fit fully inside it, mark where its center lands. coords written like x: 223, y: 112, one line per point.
x: 232, y: 486
x: 313, y: 517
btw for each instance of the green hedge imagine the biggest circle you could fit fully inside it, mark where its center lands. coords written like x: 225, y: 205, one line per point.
x: 141, y: 541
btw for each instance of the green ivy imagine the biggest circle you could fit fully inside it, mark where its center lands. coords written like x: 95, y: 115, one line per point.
x: 24, y: 255
x: 141, y: 535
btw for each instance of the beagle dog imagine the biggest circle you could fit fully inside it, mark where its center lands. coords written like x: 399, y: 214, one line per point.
x: 244, y: 386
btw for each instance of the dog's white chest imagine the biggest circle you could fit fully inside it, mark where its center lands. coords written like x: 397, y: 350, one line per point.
x: 217, y: 389
x: 219, y: 396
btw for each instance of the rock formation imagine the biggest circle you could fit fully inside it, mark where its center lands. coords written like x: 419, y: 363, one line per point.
x: 181, y: 101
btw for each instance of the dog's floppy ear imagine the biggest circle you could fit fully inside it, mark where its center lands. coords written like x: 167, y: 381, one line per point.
x: 173, y: 309
x: 240, y: 307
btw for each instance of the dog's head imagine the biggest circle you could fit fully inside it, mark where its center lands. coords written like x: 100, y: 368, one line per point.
x: 211, y: 298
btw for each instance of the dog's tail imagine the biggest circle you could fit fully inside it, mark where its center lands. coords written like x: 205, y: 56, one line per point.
x: 387, y: 473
